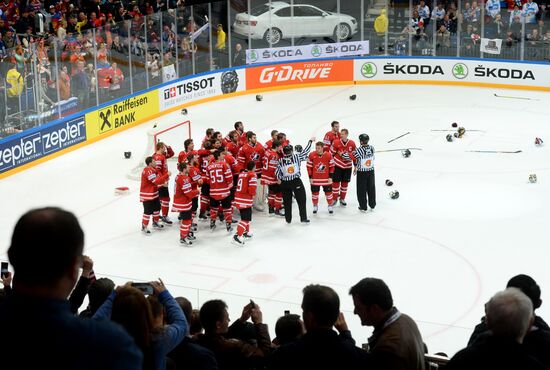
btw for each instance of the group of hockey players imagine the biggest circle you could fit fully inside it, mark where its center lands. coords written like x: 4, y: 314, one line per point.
x: 231, y: 172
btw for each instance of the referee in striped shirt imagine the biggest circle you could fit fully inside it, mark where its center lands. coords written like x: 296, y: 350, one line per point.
x: 363, y: 163
x: 288, y: 175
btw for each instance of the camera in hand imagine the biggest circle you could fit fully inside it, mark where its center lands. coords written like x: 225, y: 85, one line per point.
x: 146, y: 288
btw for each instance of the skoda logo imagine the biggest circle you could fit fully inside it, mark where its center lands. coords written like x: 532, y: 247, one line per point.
x: 316, y: 51
x: 460, y: 71
x: 368, y: 70
x: 253, y: 56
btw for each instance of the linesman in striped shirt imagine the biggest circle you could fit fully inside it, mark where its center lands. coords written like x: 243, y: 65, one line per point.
x: 363, y: 167
x: 288, y: 175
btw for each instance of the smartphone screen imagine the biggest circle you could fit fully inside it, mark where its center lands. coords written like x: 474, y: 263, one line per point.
x: 4, y: 269
x: 145, y: 288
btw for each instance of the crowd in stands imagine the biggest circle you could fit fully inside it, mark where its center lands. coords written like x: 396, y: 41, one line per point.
x: 510, y: 21
x: 142, y: 326
x: 85, y: 50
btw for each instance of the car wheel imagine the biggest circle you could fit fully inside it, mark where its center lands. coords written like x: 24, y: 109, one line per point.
x: 342, y: 32
x: 273, y: 36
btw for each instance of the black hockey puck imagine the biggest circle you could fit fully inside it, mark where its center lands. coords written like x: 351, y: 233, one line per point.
x: 127, y: 155
x: 454, y: 124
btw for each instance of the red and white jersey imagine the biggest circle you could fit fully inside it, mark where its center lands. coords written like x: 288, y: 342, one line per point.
x: 269, y: 165
x: 242, y: 139
x: 182, y: 157
x: 195, y: 175
x: 329, y: 139
x: 205, y: 158
x: 232, y: 163
x: 160, y: 160
x: 183, y: 193
x: 150, y: 180
x: 221, y: 180
x: 319, y: 168
x: 233, y: 148
x: 338, y: 148
x: 206, y: 138
x: 246, y: 189
x: 251, y: 153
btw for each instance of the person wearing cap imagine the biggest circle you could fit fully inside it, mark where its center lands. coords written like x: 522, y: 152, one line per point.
x: 537, y: 340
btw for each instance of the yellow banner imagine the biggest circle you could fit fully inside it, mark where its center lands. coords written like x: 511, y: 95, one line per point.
x: 123, y: 114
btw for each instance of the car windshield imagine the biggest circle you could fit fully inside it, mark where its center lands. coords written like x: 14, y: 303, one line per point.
x: 260, y: 9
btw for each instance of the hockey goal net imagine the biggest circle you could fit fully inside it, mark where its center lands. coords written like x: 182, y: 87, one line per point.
x: 173, y: 134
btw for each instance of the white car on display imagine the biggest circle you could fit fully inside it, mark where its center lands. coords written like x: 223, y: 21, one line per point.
x: 279, y: 20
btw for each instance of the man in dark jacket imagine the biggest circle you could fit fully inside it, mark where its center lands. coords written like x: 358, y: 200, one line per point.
x: 509, y: 316
x: 396, y: 343
x: 233, y: 354
x: 45, y: 252
x: 189, y: 355
x: 321, y: 347
x: 537, y: 340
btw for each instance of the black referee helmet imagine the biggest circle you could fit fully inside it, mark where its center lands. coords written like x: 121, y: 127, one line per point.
x: 364, y: 139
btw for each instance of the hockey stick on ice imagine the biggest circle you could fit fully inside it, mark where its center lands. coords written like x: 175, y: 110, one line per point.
x: 399, y: 137
x: 494, y: 151
x: 396, y: 150
x: 514, y: 97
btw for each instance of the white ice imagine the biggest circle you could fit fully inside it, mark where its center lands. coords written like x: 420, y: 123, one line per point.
x: 464, y: 223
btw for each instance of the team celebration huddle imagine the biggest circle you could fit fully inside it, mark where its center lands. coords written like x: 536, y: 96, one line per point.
x: 238, y: 172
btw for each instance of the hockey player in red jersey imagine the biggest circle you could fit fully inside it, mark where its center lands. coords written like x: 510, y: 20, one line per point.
x: 221, y: 181
x: 274, y: 134
x: 209, y: 132
x: 149, y: 194
x: 331, y: 135
x: 239, y: 127
x: 188, y: 148
x: 342, y: 170
x: 184, y: 193
x: 205, y: 158
x: 269, y: 179
x: 281, y: 136
x: 231, y: 142
x: 244, y: 198
x: 196, y: 181
x: 161, y: 155
x: 251, y: 151
x: 320, y: 168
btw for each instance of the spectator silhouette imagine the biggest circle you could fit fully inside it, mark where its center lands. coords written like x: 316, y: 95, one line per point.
x: 45, y: 252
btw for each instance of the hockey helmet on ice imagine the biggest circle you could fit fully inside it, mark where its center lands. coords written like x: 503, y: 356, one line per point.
x: 461, y: 131
x: 406, y: 153
x: 532, y: 178
x: 538, y: 141
x: 394, y: 194
x: 449, y: 138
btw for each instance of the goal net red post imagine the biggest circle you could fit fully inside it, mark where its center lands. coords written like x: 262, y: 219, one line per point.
x: 173, y: 134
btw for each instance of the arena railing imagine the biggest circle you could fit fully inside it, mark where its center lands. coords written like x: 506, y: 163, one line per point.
x: 179, y: 42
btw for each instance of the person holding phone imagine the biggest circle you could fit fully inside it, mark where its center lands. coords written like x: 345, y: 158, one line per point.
x: 232, y: 353
x: 128, y: 307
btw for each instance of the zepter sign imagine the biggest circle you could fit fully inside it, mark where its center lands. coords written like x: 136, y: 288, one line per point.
x: 299, y: 73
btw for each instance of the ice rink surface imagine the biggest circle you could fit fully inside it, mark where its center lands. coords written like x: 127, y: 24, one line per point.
x: 464, y: 223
